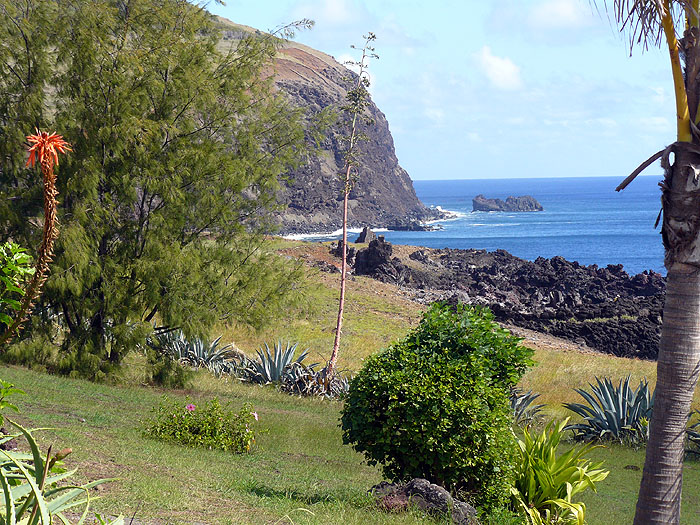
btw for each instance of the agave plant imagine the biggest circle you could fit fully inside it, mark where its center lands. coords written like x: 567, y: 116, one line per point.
x: 524, y: 412
x: 619, y: 412
x: 272, y: 364
x: 198, y: 353
x: 305, y: 381
x: 693, y: 433
x: 545, y: 485
x: 36, y: 490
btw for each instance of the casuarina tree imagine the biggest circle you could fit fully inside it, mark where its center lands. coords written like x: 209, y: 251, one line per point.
x: 179, y: 144
x: 675, y: 24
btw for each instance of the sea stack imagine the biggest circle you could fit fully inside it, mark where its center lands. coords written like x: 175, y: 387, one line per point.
x: 524, y: 203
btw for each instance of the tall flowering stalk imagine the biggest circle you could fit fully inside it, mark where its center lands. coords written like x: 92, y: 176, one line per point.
x: 44, y: 149
x: 358, y: 102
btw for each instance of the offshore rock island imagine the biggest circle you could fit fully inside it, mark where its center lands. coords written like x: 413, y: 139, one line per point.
x: 524, y: 203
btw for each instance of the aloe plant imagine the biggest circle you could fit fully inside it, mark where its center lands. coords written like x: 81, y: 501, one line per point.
x: 35, y: 489
x: 546, y: 484
x: 272, y: 364
x: 521, y: 403
x: 618, y: 413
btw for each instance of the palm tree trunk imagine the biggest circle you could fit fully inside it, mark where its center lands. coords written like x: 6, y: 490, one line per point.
x: 679, y: 355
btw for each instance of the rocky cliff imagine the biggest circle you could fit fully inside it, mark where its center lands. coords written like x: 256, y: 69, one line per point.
x: 383, y: 194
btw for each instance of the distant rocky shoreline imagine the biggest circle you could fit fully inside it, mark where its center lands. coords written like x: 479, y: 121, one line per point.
x: 604, y: 308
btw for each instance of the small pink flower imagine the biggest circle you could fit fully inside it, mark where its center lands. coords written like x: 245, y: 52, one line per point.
x: 255, y: 415
x: 190, y: 407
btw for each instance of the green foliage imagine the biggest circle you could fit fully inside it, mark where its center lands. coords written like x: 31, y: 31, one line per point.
x: 212, y: 426
x: 178, y: 151
x: 693, y: 434
x: 164, y: 370
x: 7, y: 389
x: 196, y: 352
x: 545, y: 485
x: 15, y: 267
x: 272, y: 364
x: 618, y: 413
x: 36, y: 488
x: 303, y: 380
x: 521, y: 404
x: 435, y: 405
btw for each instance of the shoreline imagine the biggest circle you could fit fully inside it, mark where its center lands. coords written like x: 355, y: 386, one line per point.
x: 603, y: 307
x: 448, y: 216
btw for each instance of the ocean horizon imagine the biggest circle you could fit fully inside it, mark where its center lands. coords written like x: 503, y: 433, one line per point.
x: 584, y: 220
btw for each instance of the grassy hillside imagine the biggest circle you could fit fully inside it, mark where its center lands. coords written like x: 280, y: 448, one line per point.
x: 299, y: 472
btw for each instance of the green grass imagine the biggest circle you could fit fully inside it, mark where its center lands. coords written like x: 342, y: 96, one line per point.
x: 299, y: 472
x: 375, y: 314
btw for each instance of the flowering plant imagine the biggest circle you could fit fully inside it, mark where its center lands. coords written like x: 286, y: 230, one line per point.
x: 211, y: 426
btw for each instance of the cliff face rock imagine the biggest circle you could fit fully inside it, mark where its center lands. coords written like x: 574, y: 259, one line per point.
x: 383, y: 194
x: 524, y: 203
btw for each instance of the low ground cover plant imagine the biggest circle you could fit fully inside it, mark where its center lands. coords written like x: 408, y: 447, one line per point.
x: 611, y: 412
x: 546, y: 485
x: 435, y: 405
x: 211, y: 425
x: 35, y: 487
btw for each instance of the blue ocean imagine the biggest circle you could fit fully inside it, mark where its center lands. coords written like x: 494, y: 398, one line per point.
x: 584, y: 220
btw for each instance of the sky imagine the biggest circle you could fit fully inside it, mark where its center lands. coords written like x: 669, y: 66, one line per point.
x: 478, y: 90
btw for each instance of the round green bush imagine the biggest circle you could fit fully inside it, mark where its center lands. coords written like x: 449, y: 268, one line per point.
x: 435, y: 405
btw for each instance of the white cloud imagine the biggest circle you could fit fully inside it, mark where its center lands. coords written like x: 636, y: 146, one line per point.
x: 501, y: 72
x: 559, y: 14
x: 331, y: 12
x: 436, y: 115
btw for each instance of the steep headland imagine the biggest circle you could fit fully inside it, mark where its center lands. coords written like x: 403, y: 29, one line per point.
x: 383, y: 194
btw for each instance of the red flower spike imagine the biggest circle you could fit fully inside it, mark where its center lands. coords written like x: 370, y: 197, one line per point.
x: 46, y: 147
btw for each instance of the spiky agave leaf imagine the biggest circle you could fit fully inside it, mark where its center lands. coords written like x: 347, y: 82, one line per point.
x: 613, y: 412
x: 521, y: 404
x: 271, y: 364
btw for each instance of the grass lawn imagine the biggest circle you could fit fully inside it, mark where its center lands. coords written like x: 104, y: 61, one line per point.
x: 299, y: 472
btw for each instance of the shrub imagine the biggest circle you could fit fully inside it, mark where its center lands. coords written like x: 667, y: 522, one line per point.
x: 693, y: 434
x: 545, y: 485
x: 15, y: 268
x: 614, y: 412
x: 210, y: 426
x: 435, y: 405
x: 196, y: 352
x: 164, y: 370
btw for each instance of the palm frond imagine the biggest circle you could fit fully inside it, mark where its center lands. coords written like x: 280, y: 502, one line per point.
x: 642, y: 19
